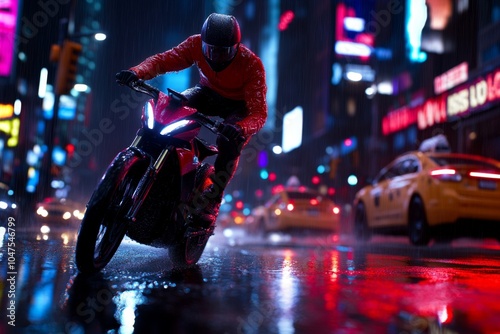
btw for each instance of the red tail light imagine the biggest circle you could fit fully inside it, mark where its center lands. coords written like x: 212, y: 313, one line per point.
x: 446, y: 174
x: 485, y: 175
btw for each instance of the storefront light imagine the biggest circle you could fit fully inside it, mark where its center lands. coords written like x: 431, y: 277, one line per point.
x: 385, y: 88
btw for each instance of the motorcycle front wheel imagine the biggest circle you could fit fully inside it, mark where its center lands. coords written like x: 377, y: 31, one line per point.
x: 104, y: 224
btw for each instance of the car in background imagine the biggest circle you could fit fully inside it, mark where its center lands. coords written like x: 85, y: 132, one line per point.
x: 59, y: 214
x: 8, y: 206
x: 431, y: 193
x: 297, y: 208
x: 233, y: 218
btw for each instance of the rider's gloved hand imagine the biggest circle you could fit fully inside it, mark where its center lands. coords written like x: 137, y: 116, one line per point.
x: 233, y: 133
x: 125, y: 77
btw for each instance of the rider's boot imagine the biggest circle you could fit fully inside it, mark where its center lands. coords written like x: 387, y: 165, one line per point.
x: 207, y: 206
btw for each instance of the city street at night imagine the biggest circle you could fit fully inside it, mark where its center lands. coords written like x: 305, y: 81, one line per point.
x: 250, y: 166
x: 317, y: 284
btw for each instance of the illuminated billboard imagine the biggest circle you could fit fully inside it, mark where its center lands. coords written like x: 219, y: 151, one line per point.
x: 473, y: 96
x: 358, y: 24
x: 8, y: 25
x: 292, y: 129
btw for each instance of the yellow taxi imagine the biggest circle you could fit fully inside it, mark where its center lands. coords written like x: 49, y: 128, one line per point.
x: 431, y: 193
x: 297, y: 208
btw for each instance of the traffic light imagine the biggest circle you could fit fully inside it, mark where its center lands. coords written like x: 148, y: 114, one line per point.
x: 66, y: 70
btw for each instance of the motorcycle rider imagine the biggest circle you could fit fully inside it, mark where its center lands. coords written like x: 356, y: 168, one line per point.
x: 232, y: 86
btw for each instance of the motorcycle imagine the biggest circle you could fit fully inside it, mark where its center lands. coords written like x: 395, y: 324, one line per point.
x: 149, y: 191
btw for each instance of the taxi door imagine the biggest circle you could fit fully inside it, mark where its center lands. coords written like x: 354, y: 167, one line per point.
x: 381, y: 194
x: 400, y: 188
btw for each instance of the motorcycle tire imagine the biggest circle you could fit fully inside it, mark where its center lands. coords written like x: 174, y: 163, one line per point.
x: 104, y: 224
x: 190, y: 247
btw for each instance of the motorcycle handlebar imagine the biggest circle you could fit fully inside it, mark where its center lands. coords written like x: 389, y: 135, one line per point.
x: 213, y: 125
x: 143, y: 87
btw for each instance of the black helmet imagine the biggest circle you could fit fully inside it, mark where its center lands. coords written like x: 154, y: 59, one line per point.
x: 220, y: 37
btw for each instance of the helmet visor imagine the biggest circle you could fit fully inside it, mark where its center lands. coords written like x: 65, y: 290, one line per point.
x: 219, y: 54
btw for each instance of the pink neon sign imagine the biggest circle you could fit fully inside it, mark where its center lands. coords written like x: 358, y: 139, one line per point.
x: 8, y: 23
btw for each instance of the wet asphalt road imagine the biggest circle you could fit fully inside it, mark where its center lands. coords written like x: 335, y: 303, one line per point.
x: 325, y: 284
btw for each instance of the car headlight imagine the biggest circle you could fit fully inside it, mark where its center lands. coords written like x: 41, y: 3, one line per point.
x: 42, y: 212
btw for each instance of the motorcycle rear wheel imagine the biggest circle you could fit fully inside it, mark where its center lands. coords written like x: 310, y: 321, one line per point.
x: 104, y: 224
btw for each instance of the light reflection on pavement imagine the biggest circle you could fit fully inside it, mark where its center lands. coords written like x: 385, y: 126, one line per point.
x: 325, y: 284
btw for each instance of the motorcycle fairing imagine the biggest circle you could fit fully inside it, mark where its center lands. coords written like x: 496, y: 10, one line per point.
x: 187, y: 160
x: 167, y: 111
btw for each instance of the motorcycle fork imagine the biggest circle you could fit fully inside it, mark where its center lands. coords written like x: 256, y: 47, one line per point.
x: 146, y: 181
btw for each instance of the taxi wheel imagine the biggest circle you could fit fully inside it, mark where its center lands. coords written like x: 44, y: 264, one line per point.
x: 418, y: 229
x: 361, y: 230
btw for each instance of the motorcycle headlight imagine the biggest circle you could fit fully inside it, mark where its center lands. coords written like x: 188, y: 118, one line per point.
x: 149, y: 113
x: 174, y: 126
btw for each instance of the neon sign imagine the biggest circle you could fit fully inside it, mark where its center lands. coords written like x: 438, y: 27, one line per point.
x: 6, y: 111
x: 432, y: 111
x: 475, y: 96
x: 416, y: 16
x: 11, y: 127
x: 8, y: 23
x: 292, y: 129
x: 347, y: 24
x: 451, y: 78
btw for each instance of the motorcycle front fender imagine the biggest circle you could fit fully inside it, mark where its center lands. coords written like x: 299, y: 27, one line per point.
x: 123, y: 162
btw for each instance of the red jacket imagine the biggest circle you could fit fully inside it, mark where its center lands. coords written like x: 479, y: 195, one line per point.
x: 244, y: 79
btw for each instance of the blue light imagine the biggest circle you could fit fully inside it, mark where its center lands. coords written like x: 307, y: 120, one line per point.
x: 264, y: 174
x: 59, y: 155
x: 352, y: 180
x: 416, y: 17
x: 321, y: 169
x: 228, y: 198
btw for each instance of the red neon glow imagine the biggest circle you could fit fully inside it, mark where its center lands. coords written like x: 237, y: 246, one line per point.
x: 470, y: 97
x: 315, y: 179
x: 272, y: 177
x: 239, y: 205
x: 285, y: 19
x: 276, y: 189
x: 432, y: 111
x: 361, y: 40
x: 314, y: 201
